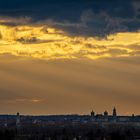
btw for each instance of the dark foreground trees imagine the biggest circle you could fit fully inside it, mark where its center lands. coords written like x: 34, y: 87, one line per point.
x: 68, y: 133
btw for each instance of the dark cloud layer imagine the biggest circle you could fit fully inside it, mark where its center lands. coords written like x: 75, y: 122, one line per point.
x: 82, y: 17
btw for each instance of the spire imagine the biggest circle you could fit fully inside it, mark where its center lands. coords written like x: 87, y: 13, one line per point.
x: 114, y: 115
x: 18, y: 120
x: 114, y: 112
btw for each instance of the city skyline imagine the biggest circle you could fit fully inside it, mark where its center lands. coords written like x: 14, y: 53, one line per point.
x: 113, y: 112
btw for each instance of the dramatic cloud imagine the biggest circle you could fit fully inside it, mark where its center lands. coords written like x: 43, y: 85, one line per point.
x: 43, y: 42
x: 80, y: 17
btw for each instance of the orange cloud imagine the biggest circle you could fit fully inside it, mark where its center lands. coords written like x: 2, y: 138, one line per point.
x: 43, y: 42
x: 29, y: 100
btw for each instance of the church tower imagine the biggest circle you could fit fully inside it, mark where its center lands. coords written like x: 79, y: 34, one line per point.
x: 92, y: 113
x: 114, y: 112
x: 114, y: 115
x: 18, y: 120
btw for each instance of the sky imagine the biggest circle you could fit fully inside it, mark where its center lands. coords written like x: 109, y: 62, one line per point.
x: 69, y: 57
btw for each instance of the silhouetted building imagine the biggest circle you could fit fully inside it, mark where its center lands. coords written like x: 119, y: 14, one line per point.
x: 114, y: 112
x: 18, y: 120
x: 102, y: 119
x: 114, y: 115
x: 92, y: 113
x: 106, y: 116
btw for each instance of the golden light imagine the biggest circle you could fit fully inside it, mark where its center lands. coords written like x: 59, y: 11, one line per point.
x: 43, y: 42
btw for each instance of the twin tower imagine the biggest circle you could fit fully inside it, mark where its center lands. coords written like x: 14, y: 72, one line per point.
x: 97, y: 116
x: 114, y: 113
